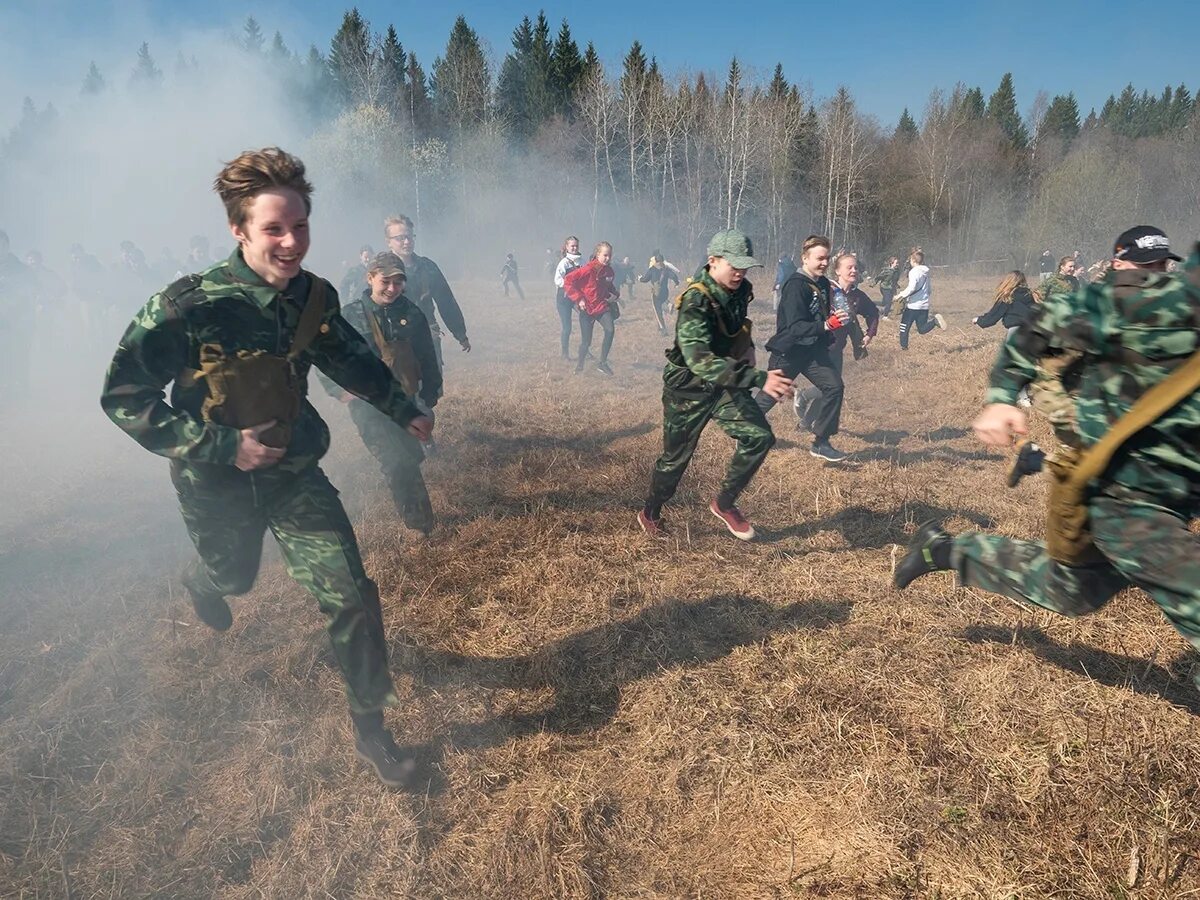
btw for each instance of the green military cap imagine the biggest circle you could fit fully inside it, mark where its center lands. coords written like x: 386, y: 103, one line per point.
x: 387, y: 264
x: 735, y: 247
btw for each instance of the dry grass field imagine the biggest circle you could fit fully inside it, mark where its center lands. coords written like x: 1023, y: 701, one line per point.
x: 601, y: 715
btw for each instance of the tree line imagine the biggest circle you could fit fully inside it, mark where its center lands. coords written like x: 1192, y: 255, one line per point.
x: 550, y: 136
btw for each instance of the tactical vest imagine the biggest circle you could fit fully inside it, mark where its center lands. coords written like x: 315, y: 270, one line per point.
x: 250, y: 387
x: 741, y: 340
x: 1068, y: 531
x: 397, y: 355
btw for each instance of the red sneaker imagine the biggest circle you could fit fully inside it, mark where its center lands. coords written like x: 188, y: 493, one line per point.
x: 739, y: 526
x: 652, y: 527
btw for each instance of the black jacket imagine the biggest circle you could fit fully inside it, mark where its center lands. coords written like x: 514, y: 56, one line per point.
x: 1016, y: 312
x: 804, y: 306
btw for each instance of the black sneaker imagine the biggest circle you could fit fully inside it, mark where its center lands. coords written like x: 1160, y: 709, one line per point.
x: 825, y: 450
x: 1028, y: 462
x: 861, y: 353
x: 604, y: 367
x: 928, y: 551
x: 213, y: 611
x: 378, y: 750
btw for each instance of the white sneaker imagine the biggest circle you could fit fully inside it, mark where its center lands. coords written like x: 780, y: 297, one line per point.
x: 941, y: 320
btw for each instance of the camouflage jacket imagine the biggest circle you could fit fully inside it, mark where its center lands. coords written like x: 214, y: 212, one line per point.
x: 428, y: 288
x: 399, y: 320
x: 705, y: 329
x: 1130, y: 332
x: 1058, y: 284
x: 231, y: 306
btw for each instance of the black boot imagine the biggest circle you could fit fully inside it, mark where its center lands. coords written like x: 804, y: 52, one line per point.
x: 211, y: 609
x: 928, y: 551
x: 375, y: 746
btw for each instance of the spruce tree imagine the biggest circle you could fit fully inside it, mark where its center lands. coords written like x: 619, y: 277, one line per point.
x: 1182, y: 106
x: 349, y: 51
x: 418, y: 96
x: 1002, y: 109
x: 513, y: 101
x: 566, y: 70
x: 395, y: 62
x: 778, y: 88
x: 906, y: 128
x: 279, y: 51
x: 252, y: 36
x: 1061, y: 119
x: 146, y: 72
x: 591, y: 61
x: 461, y: 81
x: 93, y: 82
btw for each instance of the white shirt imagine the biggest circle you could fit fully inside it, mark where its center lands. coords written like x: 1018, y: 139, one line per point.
x: 565, y: 265
x: 916, y: 295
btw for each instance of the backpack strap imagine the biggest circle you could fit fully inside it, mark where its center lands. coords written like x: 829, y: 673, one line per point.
x: 1149, y: 408
x: 310, y: 317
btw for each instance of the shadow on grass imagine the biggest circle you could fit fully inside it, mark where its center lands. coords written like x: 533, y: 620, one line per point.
x: 587, y: 671
x: 865, y: 528
x: 1113, y: 669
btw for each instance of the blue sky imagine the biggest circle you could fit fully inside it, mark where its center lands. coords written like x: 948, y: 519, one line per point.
x: 890, y: 55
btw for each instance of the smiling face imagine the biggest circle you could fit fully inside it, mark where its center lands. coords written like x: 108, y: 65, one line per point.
x: 385, y: 288
x: 603, y: 255
x: 274, y: 237
x: 815, y: 260
x: 572, y: 246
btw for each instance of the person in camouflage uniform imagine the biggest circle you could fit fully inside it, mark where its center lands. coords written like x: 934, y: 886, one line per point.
x: 708, y: 377
x: 1131, y: 331
x: 1062, y: 281
x: 236, y: 481
x: 352, y: 281
x: 391, y: 324
x: 427, y: 286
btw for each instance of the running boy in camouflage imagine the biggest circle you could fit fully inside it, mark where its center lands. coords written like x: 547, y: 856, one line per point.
x: 1132, y: 332
x: 709, y: 374
x: 238, y: 340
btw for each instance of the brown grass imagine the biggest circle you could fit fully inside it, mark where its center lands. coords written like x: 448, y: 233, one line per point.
x: 602, y: 715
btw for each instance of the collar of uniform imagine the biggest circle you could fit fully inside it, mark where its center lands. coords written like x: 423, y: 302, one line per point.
x: 252, y: 283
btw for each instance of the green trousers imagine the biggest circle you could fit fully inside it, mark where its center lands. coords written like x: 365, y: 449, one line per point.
x: 228, y: 511
x: 399, y: 455
x: 684, y: 418
x: 1144, y: 544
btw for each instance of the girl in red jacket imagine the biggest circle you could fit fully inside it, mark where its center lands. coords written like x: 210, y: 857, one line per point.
x: 591, y: 289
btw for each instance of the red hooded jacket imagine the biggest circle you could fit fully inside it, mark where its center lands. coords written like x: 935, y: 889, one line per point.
x: 591, y: 285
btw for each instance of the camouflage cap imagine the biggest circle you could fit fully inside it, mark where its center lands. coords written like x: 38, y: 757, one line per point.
x: 387, y: 264
x: 735, y: 247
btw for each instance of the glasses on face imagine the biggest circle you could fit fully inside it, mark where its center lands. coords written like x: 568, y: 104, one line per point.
x: 400, y: 237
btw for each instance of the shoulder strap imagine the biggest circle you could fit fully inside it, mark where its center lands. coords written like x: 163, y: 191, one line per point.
x: 310, y: 317
x: 1149, y: 408
x: 376, y: 331
x: 694, y: 286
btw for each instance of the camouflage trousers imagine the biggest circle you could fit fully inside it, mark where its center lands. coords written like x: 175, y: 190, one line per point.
x: 228, y: 511
x: 684, y: 416
x: 1143, y: 543
x: 399, y: 455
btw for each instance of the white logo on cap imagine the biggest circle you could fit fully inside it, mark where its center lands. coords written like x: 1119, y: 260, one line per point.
x: 1153, y: 242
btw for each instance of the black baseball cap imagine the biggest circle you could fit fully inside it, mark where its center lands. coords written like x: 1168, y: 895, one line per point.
x: 1144, y: 244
